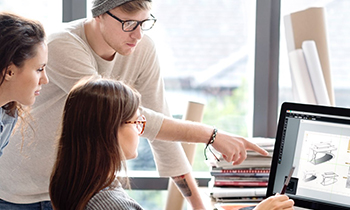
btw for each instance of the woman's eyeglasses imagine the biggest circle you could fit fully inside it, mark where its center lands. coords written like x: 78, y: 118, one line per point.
x: 140, y: 124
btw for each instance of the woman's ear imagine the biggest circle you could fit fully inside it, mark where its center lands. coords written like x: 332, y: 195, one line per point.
x: 9, y: 73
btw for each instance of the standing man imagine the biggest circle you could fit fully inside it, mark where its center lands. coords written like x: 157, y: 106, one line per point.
x: 111, y: 44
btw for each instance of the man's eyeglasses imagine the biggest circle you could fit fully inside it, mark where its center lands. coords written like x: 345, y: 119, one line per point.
x: 130, y: 25
x: 140, y: 124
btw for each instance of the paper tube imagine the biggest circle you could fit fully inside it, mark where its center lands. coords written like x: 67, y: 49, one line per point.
x: 300, y: 75
x: 310, y: 24
x: 315, y: 72
x: 175, y: 199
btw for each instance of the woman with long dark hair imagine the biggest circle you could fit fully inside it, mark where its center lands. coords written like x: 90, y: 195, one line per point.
x: 23, y: 57
x: 100, y: 127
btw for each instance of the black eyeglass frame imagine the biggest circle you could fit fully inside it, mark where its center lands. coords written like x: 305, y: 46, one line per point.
x: 138, y: 22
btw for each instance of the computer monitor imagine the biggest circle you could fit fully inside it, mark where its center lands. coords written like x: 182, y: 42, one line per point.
x: 316, y: 141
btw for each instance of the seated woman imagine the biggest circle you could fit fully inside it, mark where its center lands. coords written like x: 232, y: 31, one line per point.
x: 23, y: 57
x: 100, y: 130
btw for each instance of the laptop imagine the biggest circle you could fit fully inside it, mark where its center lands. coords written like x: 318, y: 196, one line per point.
x: 316, y: 141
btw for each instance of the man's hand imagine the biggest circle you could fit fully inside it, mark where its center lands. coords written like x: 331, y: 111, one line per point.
x: 234, y: 148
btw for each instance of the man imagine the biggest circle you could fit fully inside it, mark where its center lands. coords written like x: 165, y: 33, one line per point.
x: 111, y: 44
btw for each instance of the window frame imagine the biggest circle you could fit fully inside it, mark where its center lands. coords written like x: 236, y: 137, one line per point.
x: 266, y: 68
x: 73, y: 10
x: 265, y: 80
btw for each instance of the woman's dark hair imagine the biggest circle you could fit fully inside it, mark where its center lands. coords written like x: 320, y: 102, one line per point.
x: 19, y: 38
x: 88, y: 153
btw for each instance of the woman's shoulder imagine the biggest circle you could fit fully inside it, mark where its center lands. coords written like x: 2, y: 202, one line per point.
x: 8, y: 116
x: 112, y: 199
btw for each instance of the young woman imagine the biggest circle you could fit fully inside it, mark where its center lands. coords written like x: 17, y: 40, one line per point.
x: 99, y: 131
x: 23, y: 57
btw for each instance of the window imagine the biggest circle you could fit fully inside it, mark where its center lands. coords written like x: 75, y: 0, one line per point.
x: 49, y: 13
x: 204, y: 49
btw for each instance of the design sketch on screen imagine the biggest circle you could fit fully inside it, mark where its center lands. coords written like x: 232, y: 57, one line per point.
x: 324, y: 163
x: 322, y: 152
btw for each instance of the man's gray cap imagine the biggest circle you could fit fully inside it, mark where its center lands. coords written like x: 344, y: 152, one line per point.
x: 101, y: 6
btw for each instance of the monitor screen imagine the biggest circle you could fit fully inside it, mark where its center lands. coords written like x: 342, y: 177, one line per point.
x: 316, y: 141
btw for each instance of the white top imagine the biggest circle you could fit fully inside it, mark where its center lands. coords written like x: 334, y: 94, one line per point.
x: 25, y: 175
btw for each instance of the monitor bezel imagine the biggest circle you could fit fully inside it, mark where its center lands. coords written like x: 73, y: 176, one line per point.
x: 338, y: 111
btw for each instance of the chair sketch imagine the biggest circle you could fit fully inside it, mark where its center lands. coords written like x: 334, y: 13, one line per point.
x: 329, y: 178
x: 309, y: 176
x: 325, y: 148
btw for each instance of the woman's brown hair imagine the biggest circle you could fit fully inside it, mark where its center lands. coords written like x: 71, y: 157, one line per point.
x: 89, y: 154
x: 19, y: 38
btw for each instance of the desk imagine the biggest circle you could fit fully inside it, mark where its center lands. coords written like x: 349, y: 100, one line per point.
x: 237, y: 206
x: 210, y: 203
x: 204, y: 191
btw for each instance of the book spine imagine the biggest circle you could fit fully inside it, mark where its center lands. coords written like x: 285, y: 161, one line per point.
x: 237, y: 183
x: 240, y: 174
x: 243, y: 171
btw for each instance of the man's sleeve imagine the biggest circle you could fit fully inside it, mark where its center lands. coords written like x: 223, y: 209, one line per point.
x: 169, y: 156
x: 69, y: 61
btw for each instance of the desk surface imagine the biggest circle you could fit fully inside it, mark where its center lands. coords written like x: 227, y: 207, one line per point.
x: 209, y: 202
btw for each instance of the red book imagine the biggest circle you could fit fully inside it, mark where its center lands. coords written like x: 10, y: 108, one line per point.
x: 222, y: 183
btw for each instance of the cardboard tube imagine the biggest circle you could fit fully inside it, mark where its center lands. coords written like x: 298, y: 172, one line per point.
x: 310, y: 24
x: 175, y: 199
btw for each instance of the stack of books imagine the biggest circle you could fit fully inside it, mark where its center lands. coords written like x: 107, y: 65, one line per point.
x: 245, y: 182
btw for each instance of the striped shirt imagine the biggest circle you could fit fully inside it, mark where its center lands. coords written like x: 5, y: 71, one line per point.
x: 112, y: 199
